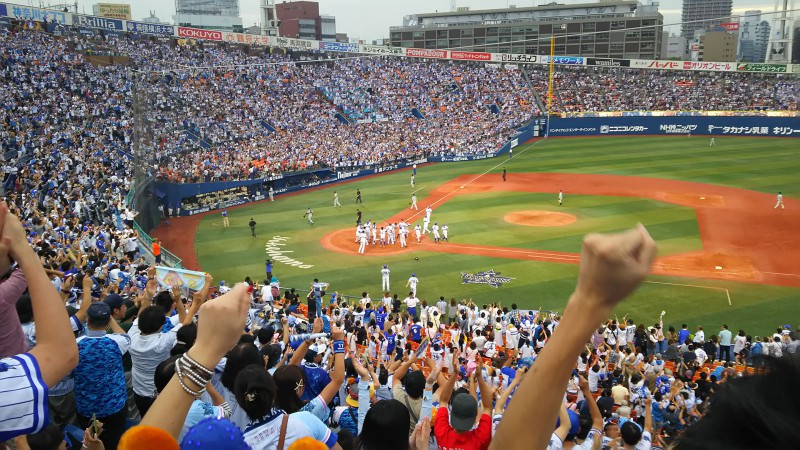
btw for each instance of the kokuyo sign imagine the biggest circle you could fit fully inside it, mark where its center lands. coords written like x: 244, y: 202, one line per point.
x: 198, y: 33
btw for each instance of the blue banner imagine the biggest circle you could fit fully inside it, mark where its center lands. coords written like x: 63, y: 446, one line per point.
x: 149, y: 28
x: 571, y: 60
x: 338, y: 47
x: 3, y: 10
x: 700, y: 125
x: 97, y: 22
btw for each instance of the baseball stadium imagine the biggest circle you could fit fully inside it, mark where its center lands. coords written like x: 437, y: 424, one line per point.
x: 255, y: 238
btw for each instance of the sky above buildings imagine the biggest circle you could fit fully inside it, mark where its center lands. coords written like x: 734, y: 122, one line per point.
x: 371, y: 19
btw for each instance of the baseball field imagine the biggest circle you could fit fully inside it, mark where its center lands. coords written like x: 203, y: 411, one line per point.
x: 726, y: 255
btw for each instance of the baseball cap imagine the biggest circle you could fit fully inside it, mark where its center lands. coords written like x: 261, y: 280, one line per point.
x: 114, y: 301
x: 213, y: 433
x: 98, y: 311
x: 463, y: 411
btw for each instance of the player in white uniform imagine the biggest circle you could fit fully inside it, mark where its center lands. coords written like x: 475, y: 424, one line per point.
x: 436, y: 232
x: 425, y: 222
x: 418, y: 231
x: 385, y: 278
x: 383, y: 237
x: 374, y: 233
x: 362, y: 242
x: 403, y: 233
x: 780, y: 201
x: 412, y: 283
x: 390, y: 234
x: 309, y: 215
x: 412, y: 180
x: 428, y: 211
x: 336, y: 203
x: 445, y: 228
x: 414, y: 202
x: 713, y: 143
x: 560, y: 198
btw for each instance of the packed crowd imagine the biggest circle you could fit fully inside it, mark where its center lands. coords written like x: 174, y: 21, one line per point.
x: 251, y: 367
x: 599, y: 90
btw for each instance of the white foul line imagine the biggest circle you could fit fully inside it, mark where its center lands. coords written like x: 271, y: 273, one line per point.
x: 727, y: 293
x: 484, y: 173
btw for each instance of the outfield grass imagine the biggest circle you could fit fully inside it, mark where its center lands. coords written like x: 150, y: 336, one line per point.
x: 767, y: 165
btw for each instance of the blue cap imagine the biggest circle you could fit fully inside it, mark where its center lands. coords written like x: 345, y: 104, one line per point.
x: 413, y: 274
x: 212, y: 433
x: 98, y: 311
x: 384, y: 266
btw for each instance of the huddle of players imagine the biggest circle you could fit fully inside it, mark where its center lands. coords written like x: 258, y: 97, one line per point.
x: 387, y: 235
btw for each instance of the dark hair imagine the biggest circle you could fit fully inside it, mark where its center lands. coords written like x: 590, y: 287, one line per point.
x: 415, y: 384
x: 630, y: 433
x: 286, y: 380
x: 385, y: 427
x: 164, y: 372
x: 50, y: 438
x: 770, y: 420
x: 273, y: 353
x: 255, y: 391
x: 185, y: 338
x: 25, y: 309
x: 239, y: 357
x: 151, y: 319
x: 586, y: 426
x: 164, y: 300
x: 265, y: 335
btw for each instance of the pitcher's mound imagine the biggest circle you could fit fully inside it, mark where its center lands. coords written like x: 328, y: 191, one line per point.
x: 540, y: 218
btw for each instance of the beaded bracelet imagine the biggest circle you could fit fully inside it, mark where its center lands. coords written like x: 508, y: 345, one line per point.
x: 187, y: 367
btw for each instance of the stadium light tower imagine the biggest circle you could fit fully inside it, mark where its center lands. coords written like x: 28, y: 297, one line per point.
x: 779, y: 48
x: 269, y: 18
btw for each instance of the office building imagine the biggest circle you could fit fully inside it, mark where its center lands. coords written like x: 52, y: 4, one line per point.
x: 302, y: 20
x: 221, y: 15
x: 704, y: 15
x: 675, y: 47
x: 718, y: 46
x: 753, y: 37
x: 611, y: 28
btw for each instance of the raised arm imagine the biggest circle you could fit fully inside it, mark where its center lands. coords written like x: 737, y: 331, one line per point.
x: 594, y: 410
x: 56, y: 350
x: 563, y: 423
x: 219, y: 328
x: 81, y: 314
x: 612, y: 266
x: 447, y: 389
x: 300, y: 353
x: 337, y: 376
x: 403, y: 369
x: 486, y: 391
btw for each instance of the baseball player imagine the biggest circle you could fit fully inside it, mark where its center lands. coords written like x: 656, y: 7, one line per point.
x: 412, y: 180
x: 425, y: 222
x: 362, y: 242
x: 358, y: 196
x: 336, y: 203
x: 403, y: 232
x: 504, y: 174
x: 390, y: 234
x: 358, y: 217
x: 383, y: 237
x: 428, y: 211
x: 271, y: 194
x: 780, y: 201
x: 309, y: 214
x: 374, y: 233
x: 713, y: 143
x: 414, y: 202
x: 225, y: 222
x: 444, y: 232
x: 358, y: 233
x: 418, y: 231
x: 560, y: 198
x: 436, y: 232
x: 412, y: 283
x: 385, y: 278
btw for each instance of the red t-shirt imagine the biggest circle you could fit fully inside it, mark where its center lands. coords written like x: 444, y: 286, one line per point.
x: 448, y: 439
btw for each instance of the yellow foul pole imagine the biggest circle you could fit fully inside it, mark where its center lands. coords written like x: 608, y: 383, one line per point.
x: 552, y: 68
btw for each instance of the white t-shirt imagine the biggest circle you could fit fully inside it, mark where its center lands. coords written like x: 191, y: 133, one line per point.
x: 265, y: 433
x: 411, y: 302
